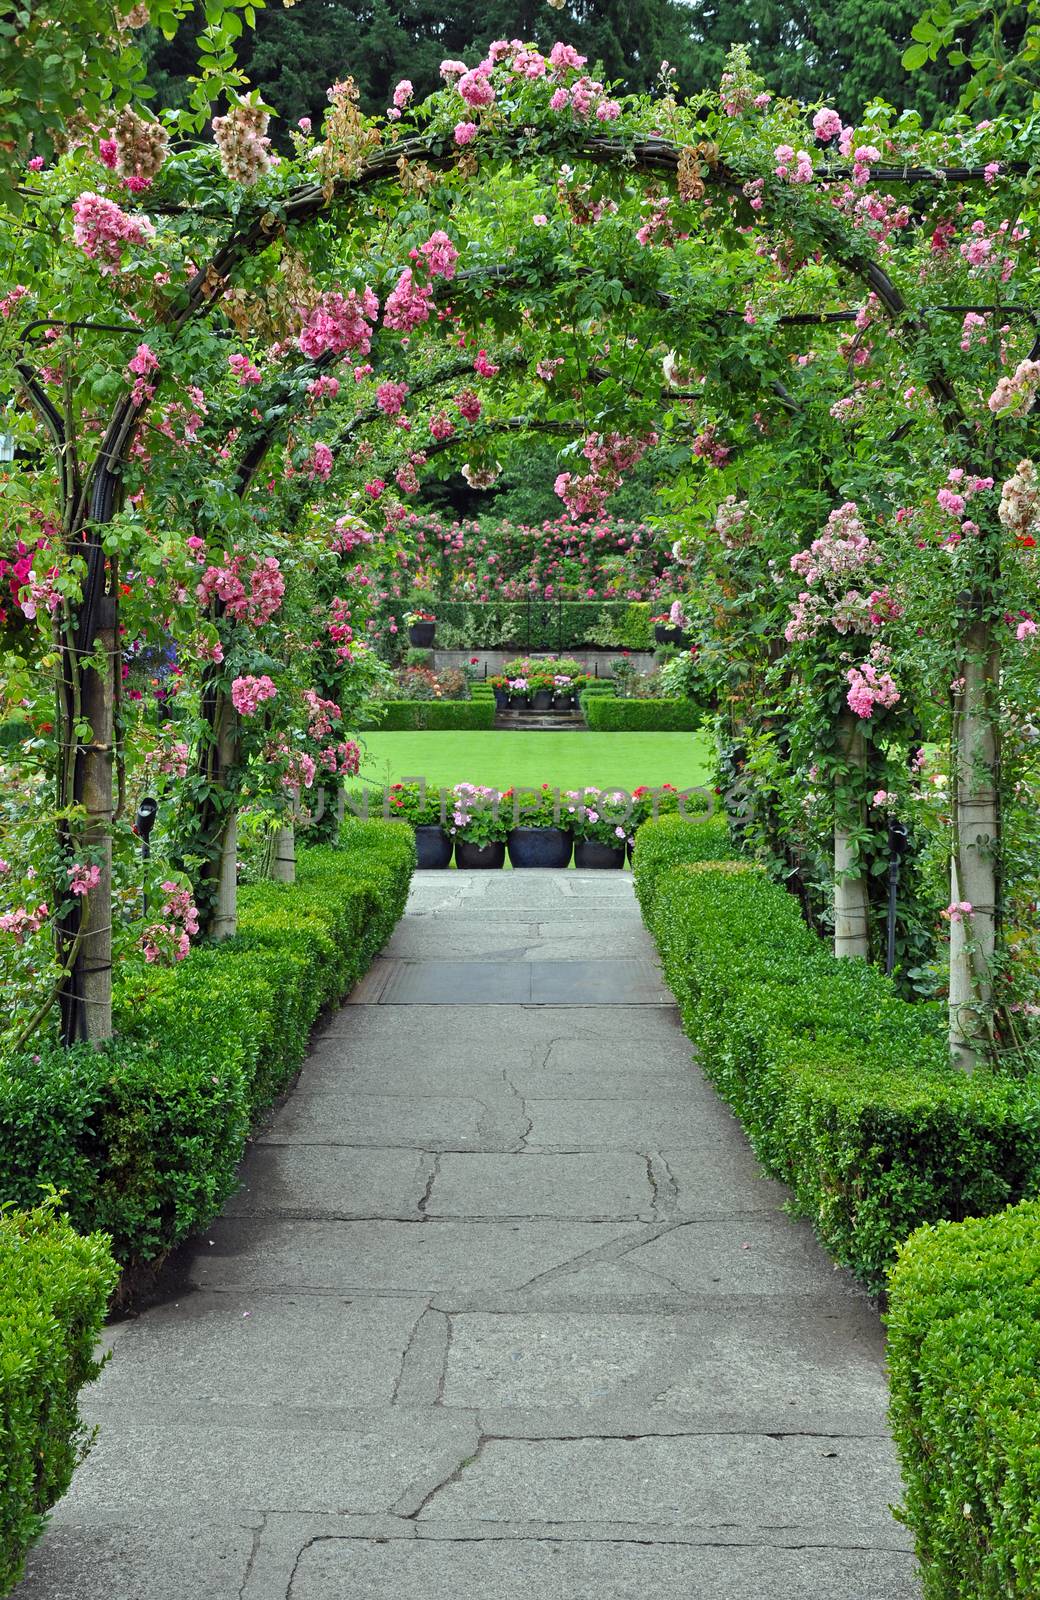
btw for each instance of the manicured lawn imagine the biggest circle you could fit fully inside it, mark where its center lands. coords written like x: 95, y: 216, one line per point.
x: 570, y: 760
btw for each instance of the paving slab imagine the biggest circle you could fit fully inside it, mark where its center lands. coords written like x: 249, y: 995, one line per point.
x: 379, y: 1121
x: 614, y: 1124
x: 263, y: 1349
x: 309, y: 1180
x: 143, y: 1463
x: 778, y: 1370
x: 730, y: 1489
x: 763, y: 1254
x: 436, y: 1256
x: 515, y: 1569
x: 609, y: 1185
x: 143, y: 1558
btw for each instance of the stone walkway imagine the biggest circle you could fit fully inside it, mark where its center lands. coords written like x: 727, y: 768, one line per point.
x: 503, y: 1309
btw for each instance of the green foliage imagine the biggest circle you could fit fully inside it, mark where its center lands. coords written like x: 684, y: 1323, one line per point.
x: 145, y: 1135
x: 605, y: 714
x: 671, y: 841
x: 296, y: 53
x: 844, y: 1089
x: 540, y: 624
x: 404, y: 715
x: 964, y: 1369
x: 54, y: 1290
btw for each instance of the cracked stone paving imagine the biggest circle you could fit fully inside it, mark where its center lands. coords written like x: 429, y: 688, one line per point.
x: 504, y: 1306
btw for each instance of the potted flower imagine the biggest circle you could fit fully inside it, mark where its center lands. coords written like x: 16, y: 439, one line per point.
x: 537, y: 838
x: 412, y: 802
x: 601, y: 826
x: 542, y: 690
x: 422, y: 625
x: 519, y: 694
x: 479, y: 826
x: 500, y: 686
x: 670, y: 626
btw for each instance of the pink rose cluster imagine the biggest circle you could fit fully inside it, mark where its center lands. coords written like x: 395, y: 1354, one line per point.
x: 440, y: 255
x: 1015, y: 395
x: 245, y: 371
x: 102, y: 229
x: 82, y: 879
x: 408, y: 304
x: 142, y: 364
x: 609, y: 456
x: 248, y: 693
x: 21, y: 921
x: 319, y: 464
x: 169, y: 939
x: 791, y: 166
x: 390, y: 398
x: 350, y: 532
x: 255, y: 605
x: 338, y: 323
x: 29, y: 589
x: 321, y: 714
x: 10, y: 300
x: 870, y: 685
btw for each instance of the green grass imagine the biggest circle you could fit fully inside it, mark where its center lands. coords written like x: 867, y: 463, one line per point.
x: 570, y: 760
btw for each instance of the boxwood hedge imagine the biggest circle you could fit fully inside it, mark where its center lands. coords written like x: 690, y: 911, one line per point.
x: 964, y: 1368
x: 608, y: 714
x: 54, y: 1290
x: 402, y: 716
x: 144, y: 1136
x: 844, y: 1089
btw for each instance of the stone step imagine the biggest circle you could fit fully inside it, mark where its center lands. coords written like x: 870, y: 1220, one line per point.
x: 531, y: 721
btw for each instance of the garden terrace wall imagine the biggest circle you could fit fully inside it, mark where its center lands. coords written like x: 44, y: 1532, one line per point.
x: 964, y: 1368
x: 844, y: 1089
x: 144, y: 1135
x: 399, y: 716
x: 609, y: 714
x: 54, y: 1291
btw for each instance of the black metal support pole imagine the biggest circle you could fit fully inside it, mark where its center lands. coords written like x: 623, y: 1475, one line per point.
x: 144, y: 822
x: 897, y: 840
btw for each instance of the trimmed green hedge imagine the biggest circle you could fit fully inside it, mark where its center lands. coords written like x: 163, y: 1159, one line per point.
x: 844, y: 1089
x: 964, y: 1368
x: 536, y: 624
x: 54, y: 1291
x: 608, y: 714
x: 144, y: 1136
x: 400, y: 716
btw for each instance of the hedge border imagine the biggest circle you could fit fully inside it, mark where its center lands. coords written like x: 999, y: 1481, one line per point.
x: 964, y: 1368
x: 144, y: 1136
x: 54, y: 1291
x: 405, y: 716
x: 844, y: 1089
x: 610, y: 714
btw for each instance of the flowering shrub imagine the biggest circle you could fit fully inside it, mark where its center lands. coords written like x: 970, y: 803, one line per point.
x: 477, y: 815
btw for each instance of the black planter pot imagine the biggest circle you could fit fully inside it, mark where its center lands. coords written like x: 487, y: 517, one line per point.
x: 519, y: 702
x: 501, y: 699
x: 666, y: 635
x: 591, y: 853
x: 433, y: 846
x: 539, y: 847
x: 479, y: 855
x: 542, y: 700
x: 420, y: 634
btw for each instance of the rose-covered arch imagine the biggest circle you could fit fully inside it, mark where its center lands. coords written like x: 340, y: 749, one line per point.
x: 349, y: 168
